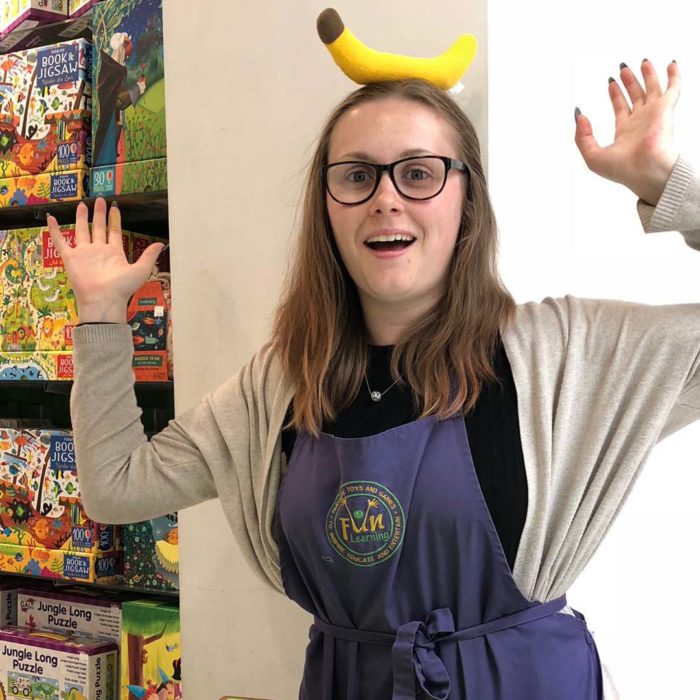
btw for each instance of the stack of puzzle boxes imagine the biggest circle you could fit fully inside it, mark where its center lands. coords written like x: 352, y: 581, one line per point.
x: 45, y: 124
x: 129, y: 102
x: 39, y: 310
x: 148, y: 632
x: 44, y: 530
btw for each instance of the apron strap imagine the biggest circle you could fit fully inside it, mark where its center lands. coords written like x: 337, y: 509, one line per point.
x: 413, y: 647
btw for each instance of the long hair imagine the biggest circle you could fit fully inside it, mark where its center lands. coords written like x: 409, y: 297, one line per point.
x: 319, y: 331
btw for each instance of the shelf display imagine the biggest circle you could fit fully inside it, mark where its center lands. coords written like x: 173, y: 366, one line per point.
x: 45, y: 124
x: 53, y: 665
x: 151, y: 553
x: 20, y: 14
x: 47, y: 152
x: 150, y: 650
x: 129, y: 98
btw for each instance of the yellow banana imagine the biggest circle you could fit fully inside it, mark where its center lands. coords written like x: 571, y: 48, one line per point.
x: 364, y: 65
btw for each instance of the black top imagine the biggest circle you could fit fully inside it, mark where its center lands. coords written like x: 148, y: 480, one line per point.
x: 492, y: 427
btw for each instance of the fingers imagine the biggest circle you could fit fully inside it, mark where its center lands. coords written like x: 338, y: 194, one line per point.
x: 149, y: 257
x: 99, y: 221
x: 651, y: 82
x: 59, y: 242
x: 673, y: 91
x: 652, y: 87
x: 634, y: 89
x: 82, y: 228
x: 585, y: 140
x: 618, y: 99
x: 114, y: 228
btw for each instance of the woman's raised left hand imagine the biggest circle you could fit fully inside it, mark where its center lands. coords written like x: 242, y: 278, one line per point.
x: 642, y: 155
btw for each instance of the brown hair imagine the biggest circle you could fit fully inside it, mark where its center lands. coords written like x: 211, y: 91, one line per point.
x: 319, y: 331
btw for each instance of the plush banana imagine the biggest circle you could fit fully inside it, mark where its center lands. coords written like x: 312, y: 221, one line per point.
x: 364, y: 65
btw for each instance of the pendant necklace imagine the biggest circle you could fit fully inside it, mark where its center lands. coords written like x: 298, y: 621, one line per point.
x: 375, y: 395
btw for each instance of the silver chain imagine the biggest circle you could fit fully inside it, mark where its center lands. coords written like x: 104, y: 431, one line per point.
x: 375, y: 395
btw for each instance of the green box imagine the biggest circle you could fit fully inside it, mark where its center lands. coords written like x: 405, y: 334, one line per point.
x: 129, y: 87
x: 150, y: 649
x: 130, y: 178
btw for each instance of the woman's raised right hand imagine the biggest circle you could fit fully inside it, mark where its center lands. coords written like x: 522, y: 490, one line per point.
x: 102, y: 278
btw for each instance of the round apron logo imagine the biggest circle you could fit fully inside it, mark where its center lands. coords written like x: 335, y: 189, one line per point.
x: 365, y: 524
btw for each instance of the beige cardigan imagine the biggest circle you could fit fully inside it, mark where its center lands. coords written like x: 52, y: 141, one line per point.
x: 598, y: 382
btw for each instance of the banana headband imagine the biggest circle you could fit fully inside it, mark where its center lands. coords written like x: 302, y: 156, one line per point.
x: 364, y: 65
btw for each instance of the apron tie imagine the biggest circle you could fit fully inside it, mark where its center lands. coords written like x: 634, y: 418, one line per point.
x: 413, y: 645
x: 413, y: 657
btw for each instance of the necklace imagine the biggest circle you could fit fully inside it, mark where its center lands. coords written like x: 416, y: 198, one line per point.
x: 375, y: 395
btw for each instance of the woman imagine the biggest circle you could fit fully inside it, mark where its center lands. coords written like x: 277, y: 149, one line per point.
x: 428, y: 519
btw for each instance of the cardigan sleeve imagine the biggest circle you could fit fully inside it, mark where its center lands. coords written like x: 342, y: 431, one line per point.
x: 678, y: 209
x: 227, y: 445
x: 599, y: 383
x: 124, y: 477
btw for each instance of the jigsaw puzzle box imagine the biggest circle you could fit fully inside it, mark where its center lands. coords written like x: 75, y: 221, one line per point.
x: 46, y: 113
x: 129, y: 88
x: 44, y: 530
x: 54, y: 666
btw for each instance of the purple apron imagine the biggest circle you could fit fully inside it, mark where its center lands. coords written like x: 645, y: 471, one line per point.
x: 388, y: 541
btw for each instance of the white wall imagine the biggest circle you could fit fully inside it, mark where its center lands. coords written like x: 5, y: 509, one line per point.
x: 248, y: 87
x: 565, y: 230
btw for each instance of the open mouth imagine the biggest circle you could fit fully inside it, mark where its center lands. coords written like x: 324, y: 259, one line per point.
x: 398, y: 243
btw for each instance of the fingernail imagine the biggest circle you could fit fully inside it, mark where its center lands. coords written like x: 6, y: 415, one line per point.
x: 165, y: 247
x: 673, y: 61
x: 611, y: 80
x: 623, y: 65
x: 577, y: 111
x: 115, y: 205
x: 645, y: 60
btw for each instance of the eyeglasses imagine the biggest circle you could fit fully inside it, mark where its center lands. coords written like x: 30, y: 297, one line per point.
x: 417, y: 177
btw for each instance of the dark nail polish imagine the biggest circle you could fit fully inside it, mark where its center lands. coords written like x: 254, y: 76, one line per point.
x: 673, y: 61
x: 623, y: 65
x: 611, y: 80
x: 577, y: 111
x: 645, y: 60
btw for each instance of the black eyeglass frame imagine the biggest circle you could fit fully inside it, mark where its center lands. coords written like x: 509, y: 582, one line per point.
x: 381, y: 168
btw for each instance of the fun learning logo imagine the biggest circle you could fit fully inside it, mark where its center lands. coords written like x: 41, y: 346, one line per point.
x: 366, y: 523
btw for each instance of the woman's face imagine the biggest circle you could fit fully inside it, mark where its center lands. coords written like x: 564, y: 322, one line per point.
x: 384, y: 131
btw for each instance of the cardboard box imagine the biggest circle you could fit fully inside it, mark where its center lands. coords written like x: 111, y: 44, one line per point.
x: 129, y: 99
x: 41, y: 310
x: 46, y: 117
x: 130, y: 178
x: 79, y: 7
x: 100, y: 567
x: 19, y: 14
x: 36, y: 366
x: 151, y: 553
x: 147, y: 315
x: 50, y: 666
x: 36, y: 325
x: 150, y: 649
x: 45, y: 188
x: 72, y: 611
x: 40, y: 504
